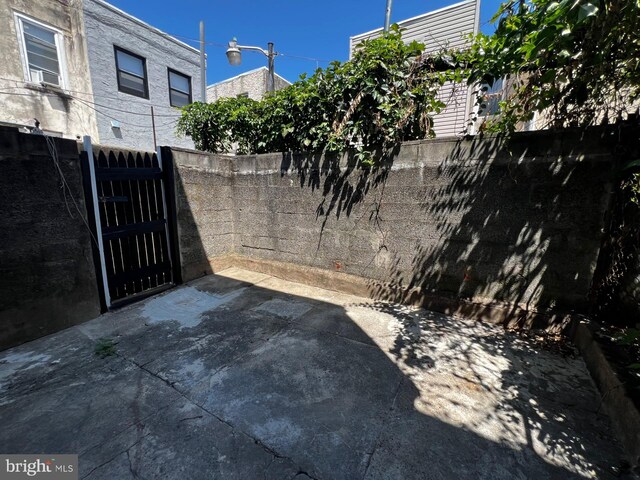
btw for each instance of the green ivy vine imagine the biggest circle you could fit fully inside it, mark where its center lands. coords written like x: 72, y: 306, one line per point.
x: 385, y: 95
x: 577, y: 62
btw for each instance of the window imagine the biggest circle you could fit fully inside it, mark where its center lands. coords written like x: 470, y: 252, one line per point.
x: 42, y: 52
x: 132, y: 73
x: 179, y: 89
x: 492, y: 95
x: 243, y: 95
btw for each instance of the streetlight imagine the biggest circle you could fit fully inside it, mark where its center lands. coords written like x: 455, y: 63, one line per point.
x: 234, y: 55
x: 387, y: 15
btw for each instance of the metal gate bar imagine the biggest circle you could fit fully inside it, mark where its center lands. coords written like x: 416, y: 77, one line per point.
x: 131, y: 216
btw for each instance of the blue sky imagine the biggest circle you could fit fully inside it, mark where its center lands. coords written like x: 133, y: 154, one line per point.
x: 299, y: 28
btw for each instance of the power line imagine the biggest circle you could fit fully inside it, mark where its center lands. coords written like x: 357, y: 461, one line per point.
x: 125, y: 122
x: 20, y: 85
x: 89, y: 105
x: 279, y: 54
x: 97, y: 104
x: 64, y: 185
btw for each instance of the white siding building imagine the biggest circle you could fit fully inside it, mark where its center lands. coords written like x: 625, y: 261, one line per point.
x: 444, y: 28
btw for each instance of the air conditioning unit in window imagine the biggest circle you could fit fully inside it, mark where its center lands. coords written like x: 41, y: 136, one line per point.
x: 36, y: 76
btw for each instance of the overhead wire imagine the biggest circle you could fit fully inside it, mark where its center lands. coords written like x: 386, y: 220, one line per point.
x: 89, y: 105
x: 64, y: 185
x: 207, y: 42
x: 20, y: 85
x: 125, y: 122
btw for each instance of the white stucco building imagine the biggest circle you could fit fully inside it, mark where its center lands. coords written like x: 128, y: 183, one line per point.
x: 43, y: 67
x: 85, y: 67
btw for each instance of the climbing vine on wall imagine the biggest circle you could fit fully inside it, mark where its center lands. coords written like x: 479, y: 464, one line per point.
x: 386, y: 94
x: 575, y: 61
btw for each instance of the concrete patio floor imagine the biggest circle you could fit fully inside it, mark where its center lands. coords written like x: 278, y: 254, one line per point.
x: 242, y: 375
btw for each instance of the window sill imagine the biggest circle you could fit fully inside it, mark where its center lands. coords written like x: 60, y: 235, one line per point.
x: 137, y: 95
x: 48, y: 88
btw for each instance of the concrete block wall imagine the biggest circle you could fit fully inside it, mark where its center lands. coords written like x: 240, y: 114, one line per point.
x: 47, y: 274
x: 205, y: 204
x: 514, y: 222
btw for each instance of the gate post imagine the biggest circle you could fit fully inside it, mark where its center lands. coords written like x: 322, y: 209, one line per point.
x: 88, y: 148
x: 166, y: 160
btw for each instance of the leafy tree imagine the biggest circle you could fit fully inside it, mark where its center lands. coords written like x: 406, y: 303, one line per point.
x: 578, y: 61
x: 385, y: 95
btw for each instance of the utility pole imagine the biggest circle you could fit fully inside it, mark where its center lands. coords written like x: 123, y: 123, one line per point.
x: 203, y: 66
x: 271, y: 81
x: 387, y: 16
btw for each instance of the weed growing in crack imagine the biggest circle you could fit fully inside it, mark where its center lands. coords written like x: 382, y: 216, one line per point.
x: 105, y: 348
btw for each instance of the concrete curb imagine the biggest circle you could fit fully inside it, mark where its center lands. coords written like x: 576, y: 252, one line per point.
x: 511, y: 316
x: 623, y: 413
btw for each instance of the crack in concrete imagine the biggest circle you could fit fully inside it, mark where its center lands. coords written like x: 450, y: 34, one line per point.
x: 191, y: 418
x: 294, y: 323
x: 376, y: 444
x: 126, y: 450
x: 120, y: 432
x: 274, y: 453
x: 133, y: 471
x: 259, y: 248
x: 306, y: 474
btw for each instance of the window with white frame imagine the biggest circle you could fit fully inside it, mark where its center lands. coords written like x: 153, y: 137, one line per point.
x: 42, y: 51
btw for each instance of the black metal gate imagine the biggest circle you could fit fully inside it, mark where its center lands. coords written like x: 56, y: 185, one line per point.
x: 129, y: 203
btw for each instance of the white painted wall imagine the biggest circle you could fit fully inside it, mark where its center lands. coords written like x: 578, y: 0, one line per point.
x: 60, y: 111
x: 107, y: 26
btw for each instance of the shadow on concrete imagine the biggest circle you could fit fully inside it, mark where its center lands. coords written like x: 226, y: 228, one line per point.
x: 241, y: 375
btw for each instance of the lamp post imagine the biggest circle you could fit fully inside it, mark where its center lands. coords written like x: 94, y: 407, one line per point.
x: 387, y: 15
x: 234, y: 55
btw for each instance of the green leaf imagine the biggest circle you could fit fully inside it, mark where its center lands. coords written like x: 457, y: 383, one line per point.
x: 631, y: 164
x: 586, y: 11
x: 286, y: 130
x: 548, y: 76
x: 630, y: 336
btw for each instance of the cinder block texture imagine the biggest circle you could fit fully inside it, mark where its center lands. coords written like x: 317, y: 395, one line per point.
x: 47, y: 274
x: 513, y: 221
